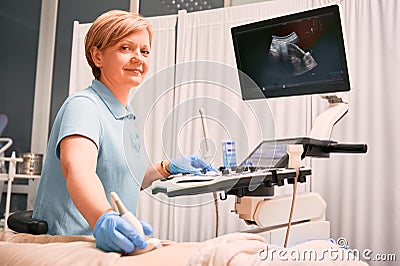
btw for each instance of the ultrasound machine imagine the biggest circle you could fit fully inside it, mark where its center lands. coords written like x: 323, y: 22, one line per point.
x: 296, y: 54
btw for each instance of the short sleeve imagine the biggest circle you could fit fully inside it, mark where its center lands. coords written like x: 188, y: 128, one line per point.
x: 80, y: 117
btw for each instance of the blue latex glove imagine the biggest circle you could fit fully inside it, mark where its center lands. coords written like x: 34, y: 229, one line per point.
x: 190, y: 165
x: 115, y: 234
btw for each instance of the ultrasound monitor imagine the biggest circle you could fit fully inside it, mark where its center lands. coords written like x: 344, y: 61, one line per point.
x: 296, y: 54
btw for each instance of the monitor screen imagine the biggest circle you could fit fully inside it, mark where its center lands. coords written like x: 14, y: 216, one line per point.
x: 296, y: 54
x: 272, y: 153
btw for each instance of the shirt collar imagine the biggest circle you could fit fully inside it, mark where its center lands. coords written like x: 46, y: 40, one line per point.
x: 115, y: 107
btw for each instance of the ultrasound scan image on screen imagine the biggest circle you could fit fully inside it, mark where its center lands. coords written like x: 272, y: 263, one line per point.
x: 297, y: 54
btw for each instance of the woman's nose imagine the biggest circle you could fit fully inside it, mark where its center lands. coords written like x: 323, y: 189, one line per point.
x: 136, y: 56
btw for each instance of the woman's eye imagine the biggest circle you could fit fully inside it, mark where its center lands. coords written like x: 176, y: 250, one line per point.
x: 146, y: 52
x: 125, y: 48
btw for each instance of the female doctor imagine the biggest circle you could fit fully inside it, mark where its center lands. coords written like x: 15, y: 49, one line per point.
x: 85, y: 158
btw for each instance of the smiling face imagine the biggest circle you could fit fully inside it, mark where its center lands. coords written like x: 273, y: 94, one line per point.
x: 124, y: 64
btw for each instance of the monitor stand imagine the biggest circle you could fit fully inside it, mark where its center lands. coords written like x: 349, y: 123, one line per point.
x: 324, y: 123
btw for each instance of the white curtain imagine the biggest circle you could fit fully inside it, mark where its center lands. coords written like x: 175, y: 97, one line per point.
x: 206, y: 37
x: 362, y: 191
x: 80, y: 76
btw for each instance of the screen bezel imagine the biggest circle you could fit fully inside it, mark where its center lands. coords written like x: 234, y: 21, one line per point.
x: 250, y: 92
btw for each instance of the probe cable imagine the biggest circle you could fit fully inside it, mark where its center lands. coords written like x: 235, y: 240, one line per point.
x: 207, y: 156
x: 295, y: 152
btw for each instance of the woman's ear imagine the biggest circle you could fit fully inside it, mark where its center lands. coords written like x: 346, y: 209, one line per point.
x: 96, y: 55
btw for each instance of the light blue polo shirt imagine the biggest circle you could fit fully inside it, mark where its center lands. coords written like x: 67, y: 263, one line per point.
x: 96, y: 114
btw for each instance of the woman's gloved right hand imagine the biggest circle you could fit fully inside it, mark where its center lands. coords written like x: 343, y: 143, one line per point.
x: 115, y: 234
x: 192, y: 164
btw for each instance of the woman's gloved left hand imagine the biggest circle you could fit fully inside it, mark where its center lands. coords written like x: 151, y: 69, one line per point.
x: 192, y: 164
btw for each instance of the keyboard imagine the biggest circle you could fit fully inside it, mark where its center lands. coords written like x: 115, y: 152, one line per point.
x: 240, y: 182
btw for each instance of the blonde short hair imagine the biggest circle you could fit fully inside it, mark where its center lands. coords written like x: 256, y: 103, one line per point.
x: 109, y: 28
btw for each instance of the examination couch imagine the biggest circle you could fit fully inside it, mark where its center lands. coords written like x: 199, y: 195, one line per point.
x: 230, y: 249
